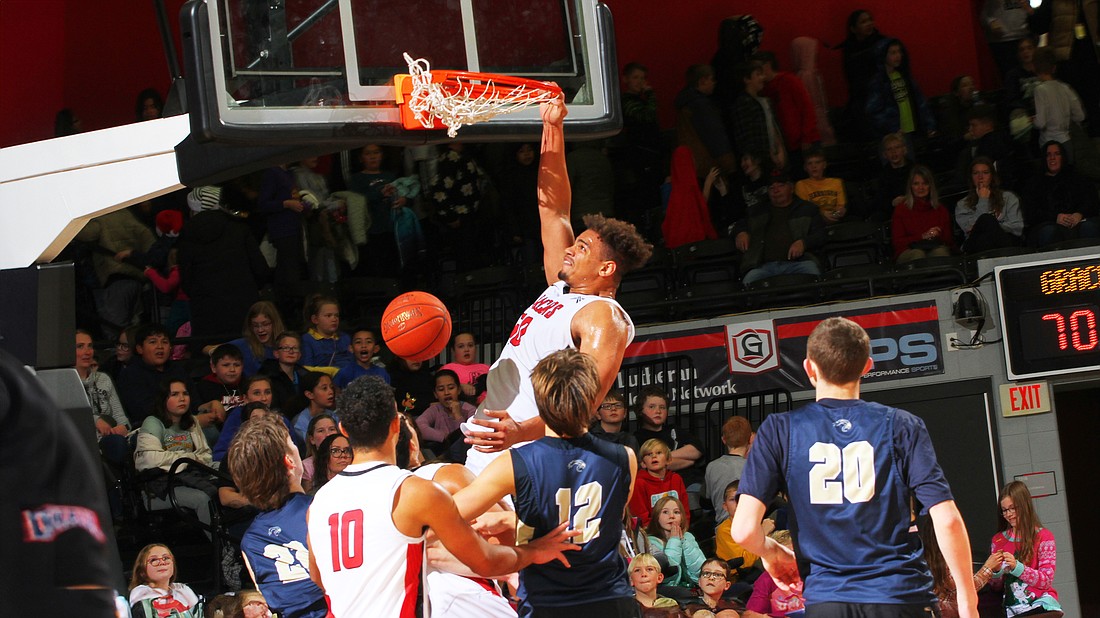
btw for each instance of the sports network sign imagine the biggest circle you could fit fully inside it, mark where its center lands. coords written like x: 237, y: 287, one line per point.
x: 741, y: 357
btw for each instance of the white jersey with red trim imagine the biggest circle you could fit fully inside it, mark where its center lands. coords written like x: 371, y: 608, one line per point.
x: 456, y: 596
x: 544, y: 328
x: 367, y: 566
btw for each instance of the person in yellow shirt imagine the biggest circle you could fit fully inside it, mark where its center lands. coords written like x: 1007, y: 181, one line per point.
x: 826, y: 193
x: 725, y: 547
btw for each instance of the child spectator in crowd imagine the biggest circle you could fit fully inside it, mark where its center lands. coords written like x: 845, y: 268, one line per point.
x: 714, y: 581
x: 725, y: 547
x: 825, y: 193
x: 943, y: 585
x: 767, y: 598
x: 645, y: 576
x: 1056, y: 104
x: 364, y: 347
x: 137, y: 383
x: 989, y: 217
x: 953, y: 108
x: 655, y: 481
x: 257, y: 340
x: 921, y: 226
x: 267, y: 469
x: 222, y: 386
x: 893, y: 181
x: 737, y: 437
x: 653, y: 413
x: 153, y: 588
x: 379, y: 256
x: 610, y: 416
x: 320, y: 427
x: 984, y: 139
x: 320, y: 395
x: 894, y: 102
x: 123, y: 354
x: 285, y: 371
x: 471, y: 374
x: 440, y: 424
x: 754, y: 188
x: 257, y: 389
x: 1028, y: 556
x: 794, y: 110
x: 332, y: 457
x: 324, y: 347
x: 668, y: 535
x: 753, y: 120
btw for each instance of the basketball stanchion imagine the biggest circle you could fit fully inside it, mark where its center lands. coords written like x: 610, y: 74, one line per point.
x: 437, y: 99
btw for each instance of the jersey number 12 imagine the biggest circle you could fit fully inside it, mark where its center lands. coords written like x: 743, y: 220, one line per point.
x: 589, y: 499
x: 856, y: 462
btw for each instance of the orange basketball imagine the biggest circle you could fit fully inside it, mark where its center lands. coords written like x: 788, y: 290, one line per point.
x: 416, y: 326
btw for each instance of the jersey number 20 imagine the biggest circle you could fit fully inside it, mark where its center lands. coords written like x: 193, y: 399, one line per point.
x: 856, y: 462
x: 589, y: 499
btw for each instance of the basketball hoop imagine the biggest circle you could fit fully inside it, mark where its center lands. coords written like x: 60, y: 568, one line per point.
x: 452, y: 99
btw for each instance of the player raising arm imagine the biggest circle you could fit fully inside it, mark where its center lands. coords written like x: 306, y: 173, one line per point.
x: 850, y: 467
x: 366, y: 526
x: 577, y: 310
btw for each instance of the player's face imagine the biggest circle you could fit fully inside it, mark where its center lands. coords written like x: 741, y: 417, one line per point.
x: 260, y: 391
x: 670, y: 516
x: 465, y: 349
x: 228, y: 370
x: 583, y: 260
x: 1008, y: 511
x: 655, y: 461
x: 327, y: 319
x: 323, y: 394
x: 645, y: 577
x: 611, y: 411
x: 655, y: 411
x: 712, y: 580
x: 339, y: 455
x: 178, y: 401
x: 321, y: 430
x: 159, y: 565
x: 261, y: 326
x: 446, y: 389
x: 364, y: 346
x: 85, y: 353
x: 154, y: 350
x: 730, y: 504
x: 288, y: 350
x: 920, y: 187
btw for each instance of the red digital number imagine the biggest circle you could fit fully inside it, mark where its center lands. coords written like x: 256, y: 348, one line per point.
x: 1088, y: 318
x: 346, y: 539
x: 519, y: 329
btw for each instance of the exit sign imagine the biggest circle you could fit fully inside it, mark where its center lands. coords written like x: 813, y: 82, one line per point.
x: 1019, y: 399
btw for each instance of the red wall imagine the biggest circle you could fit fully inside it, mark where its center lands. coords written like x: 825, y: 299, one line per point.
x: 96, y: 56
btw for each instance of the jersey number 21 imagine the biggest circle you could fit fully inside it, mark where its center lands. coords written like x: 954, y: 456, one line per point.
x: 840, y: 474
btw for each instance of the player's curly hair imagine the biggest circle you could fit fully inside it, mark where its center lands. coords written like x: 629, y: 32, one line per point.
x: 367, y: 408
x: 256, y: 462
x: 628, y: 249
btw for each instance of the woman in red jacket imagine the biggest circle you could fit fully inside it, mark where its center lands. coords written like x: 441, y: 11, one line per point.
x: 922, y: 226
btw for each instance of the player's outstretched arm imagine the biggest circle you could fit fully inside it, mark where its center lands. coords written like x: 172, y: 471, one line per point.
x: 554, y: 193
x: 421, y: 504
x: 955, y: 546
x: 495, y: 481
x: 746, y: 531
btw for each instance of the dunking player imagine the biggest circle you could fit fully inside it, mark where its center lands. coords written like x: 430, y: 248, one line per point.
x: 850, y: 468
x: 578, y: 310
x: 566, y: 476
x: 366, y: 526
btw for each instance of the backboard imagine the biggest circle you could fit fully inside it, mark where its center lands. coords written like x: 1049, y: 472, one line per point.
x: 311, y: 71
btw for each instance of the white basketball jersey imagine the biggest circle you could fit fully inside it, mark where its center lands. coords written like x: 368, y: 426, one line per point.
x: 545, y: 327
x: 454, y: 596
x: 367, y: 566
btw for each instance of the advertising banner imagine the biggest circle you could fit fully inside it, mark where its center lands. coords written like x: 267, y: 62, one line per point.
x: 736, y: 356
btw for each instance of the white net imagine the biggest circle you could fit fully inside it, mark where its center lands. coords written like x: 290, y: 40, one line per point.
x: 464, y: 102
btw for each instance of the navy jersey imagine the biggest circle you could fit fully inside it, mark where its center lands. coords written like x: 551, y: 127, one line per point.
x: 276, y: 552
x: 849, y: 468
x: 584, y: 481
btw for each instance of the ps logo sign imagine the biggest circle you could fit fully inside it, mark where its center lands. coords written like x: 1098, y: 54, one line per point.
x: 752, y: 348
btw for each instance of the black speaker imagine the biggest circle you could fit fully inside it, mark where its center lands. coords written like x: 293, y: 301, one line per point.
x: 38, y: 314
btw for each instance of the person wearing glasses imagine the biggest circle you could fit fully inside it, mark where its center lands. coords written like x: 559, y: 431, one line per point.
x: 331, y: 459
x: 610, y: 417
x: 153, y: 587
x: 1027, y: 553
x: 713, y: 582
x: 285, y: 370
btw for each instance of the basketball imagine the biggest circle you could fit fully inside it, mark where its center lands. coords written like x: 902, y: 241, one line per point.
x: 416, y: 326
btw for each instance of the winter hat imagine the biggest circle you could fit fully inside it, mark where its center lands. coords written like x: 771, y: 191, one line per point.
x: 169, y: 222
x: 204, y: 198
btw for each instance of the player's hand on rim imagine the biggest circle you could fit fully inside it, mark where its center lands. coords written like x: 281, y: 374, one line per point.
x: 553, y: 545
x: 503, y: 432
x: 553, y: 111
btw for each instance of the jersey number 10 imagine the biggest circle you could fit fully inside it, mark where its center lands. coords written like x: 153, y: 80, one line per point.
x: 856, y: 462
x: 346, y: 542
